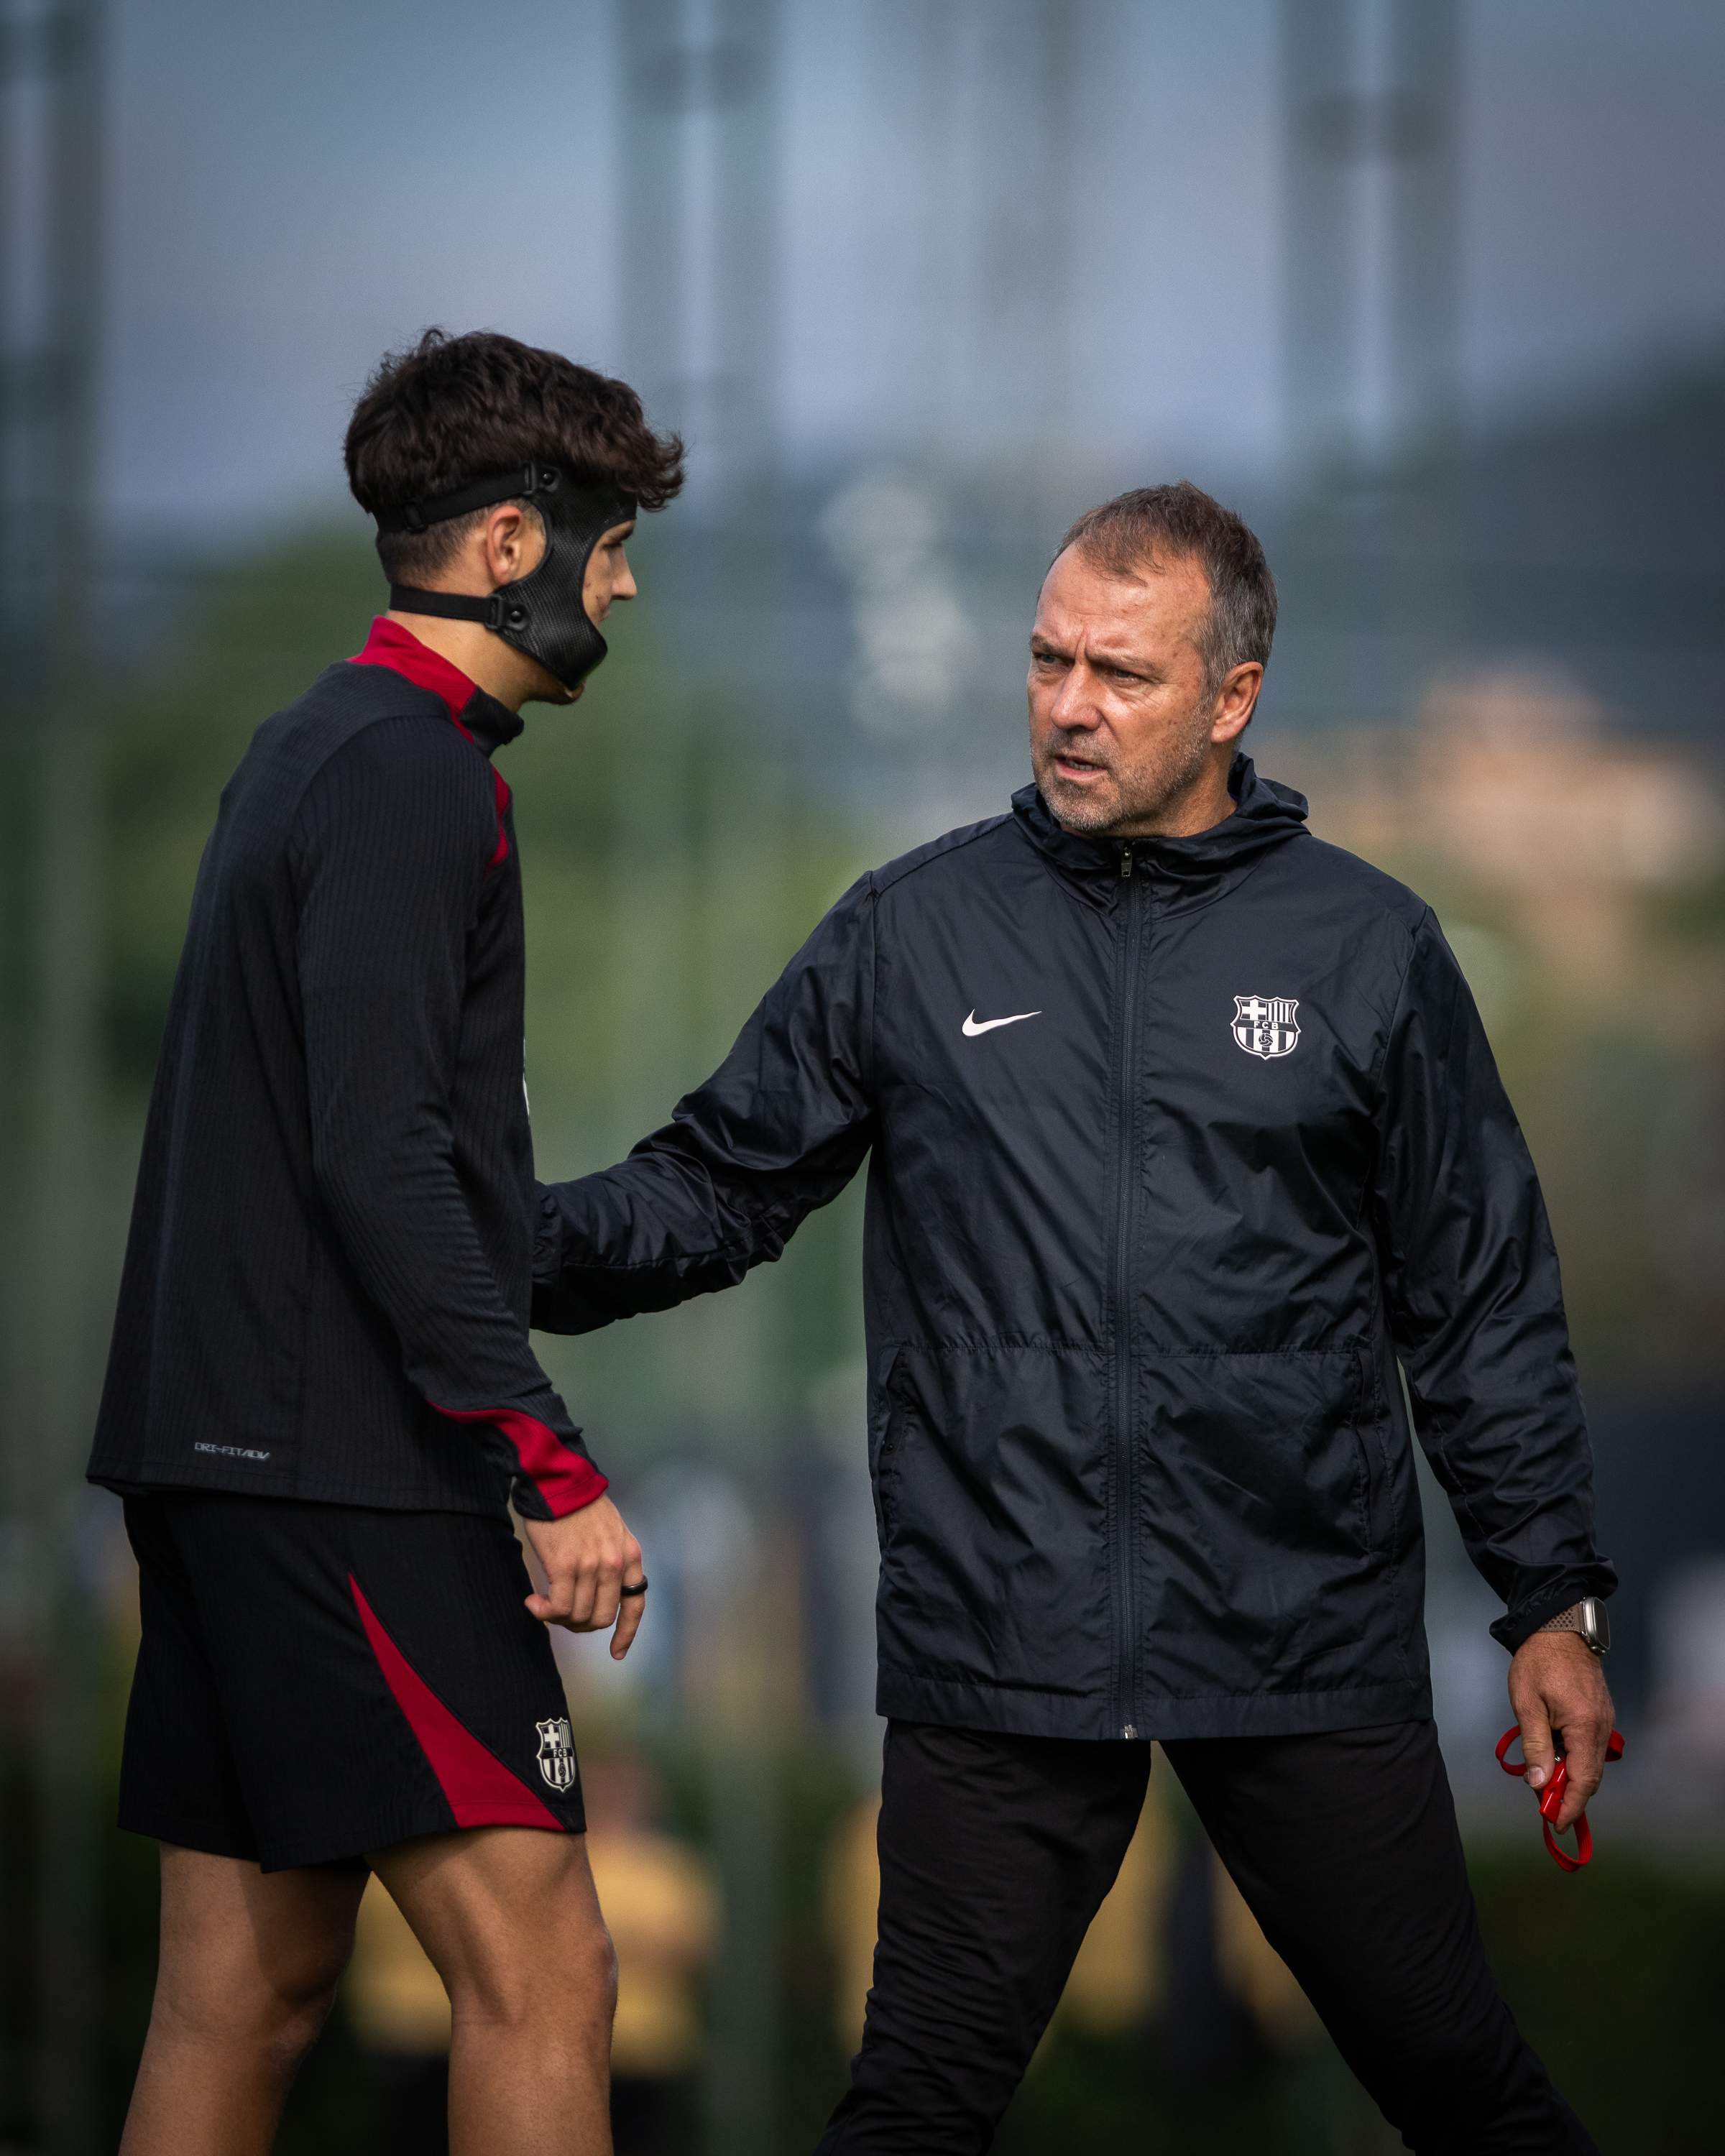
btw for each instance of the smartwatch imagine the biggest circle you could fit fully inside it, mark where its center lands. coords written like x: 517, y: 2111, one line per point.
x: 1587, y: 1617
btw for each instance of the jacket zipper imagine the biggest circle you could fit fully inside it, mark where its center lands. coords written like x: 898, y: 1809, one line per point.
x: 1126, y: 1450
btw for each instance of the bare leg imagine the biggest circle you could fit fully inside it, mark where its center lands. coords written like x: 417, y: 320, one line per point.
x: 247, y: 1970
x: 510, y: 1919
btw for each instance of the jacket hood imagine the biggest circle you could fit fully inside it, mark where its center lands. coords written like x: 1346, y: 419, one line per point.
x: 1194, y: 870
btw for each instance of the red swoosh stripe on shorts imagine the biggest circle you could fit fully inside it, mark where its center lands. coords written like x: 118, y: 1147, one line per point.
x: 480, y: 1788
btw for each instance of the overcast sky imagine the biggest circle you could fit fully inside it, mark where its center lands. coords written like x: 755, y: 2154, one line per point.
x: 294, y: 188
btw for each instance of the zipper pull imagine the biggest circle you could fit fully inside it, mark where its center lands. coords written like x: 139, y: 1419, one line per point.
x: 1126, y: 862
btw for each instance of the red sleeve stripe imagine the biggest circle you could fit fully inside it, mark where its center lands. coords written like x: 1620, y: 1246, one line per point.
x: 566, y: 1480
x: 478, y: 1788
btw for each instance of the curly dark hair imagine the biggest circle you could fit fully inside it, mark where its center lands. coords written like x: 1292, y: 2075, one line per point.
x: 448, y: 410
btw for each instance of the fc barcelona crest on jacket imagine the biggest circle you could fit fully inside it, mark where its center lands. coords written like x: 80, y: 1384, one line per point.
x: 1264, y: 1025
x: 557, y: 1752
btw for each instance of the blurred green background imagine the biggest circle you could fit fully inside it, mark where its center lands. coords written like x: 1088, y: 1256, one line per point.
x: 1426, y: 291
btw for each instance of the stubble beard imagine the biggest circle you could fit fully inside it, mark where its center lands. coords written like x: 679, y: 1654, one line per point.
x: 1141, y: 797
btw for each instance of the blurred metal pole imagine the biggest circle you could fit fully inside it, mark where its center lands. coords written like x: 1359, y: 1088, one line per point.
x: 1398, y: 134
x: 1023, y: 57
x: 748, y: 36
x: 49, y: 497
x: 1319, y: 285
x: 697, y: 838
x: 14, y: 825
x: 755, y: 797
x: 754, y: 747
x: 924, y: 52
x: 1058, y: 46
x: 651, y: 45
x: 650, y: 815
x: 1318, y: 252
x: 1424, y: 325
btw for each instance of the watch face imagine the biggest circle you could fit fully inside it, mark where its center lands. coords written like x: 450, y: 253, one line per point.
x: 1595, y: 1624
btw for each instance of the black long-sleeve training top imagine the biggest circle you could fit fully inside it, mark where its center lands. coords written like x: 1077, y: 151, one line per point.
x: 327, y: 1287
x: 1176, y: 1147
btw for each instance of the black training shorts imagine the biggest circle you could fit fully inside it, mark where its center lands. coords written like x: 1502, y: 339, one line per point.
x: 317, y: 1681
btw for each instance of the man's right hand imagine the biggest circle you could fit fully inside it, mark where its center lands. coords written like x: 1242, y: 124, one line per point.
x: 1557, y: 1685
x: 589, y: 1557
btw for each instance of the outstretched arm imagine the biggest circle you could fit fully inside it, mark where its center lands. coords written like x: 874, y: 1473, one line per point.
x: 778, y: 1130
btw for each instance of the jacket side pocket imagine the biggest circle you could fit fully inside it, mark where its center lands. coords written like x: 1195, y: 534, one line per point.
x: 885, y: 1429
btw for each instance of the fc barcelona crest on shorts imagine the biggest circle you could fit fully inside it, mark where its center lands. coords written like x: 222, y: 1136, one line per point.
x: 556, y: 1753
x: 1264, y: 1025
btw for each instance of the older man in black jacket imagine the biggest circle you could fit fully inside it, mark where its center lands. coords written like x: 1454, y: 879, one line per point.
x: 1183, y: 1134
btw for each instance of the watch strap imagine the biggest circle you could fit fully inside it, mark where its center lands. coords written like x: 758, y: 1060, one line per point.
x: 1586, y: 1618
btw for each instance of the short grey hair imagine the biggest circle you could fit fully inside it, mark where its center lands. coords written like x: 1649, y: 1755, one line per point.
x: 1141, y: 528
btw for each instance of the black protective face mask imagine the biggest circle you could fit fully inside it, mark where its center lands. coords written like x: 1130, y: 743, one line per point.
x: 541, y: 614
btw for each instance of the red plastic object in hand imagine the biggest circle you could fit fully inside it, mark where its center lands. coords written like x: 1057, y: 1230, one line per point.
x: 1551, y: 1800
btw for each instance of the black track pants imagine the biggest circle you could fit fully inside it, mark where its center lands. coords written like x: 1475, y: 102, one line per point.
x: 996, y: 1852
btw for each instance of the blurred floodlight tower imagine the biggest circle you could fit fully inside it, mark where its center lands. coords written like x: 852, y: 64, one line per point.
x: 1372, y: 316
x: 51, y: 136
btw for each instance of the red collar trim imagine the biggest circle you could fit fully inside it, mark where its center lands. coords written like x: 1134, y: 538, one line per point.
x: 389, y: 644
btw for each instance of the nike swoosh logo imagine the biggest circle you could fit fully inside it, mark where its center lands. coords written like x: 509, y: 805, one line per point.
x: 972, y: 1029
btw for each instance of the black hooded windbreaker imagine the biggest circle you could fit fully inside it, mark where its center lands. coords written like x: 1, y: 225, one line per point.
x: 1177, y: 1146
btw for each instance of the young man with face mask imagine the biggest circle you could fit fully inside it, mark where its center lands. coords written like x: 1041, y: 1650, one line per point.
x: 1184, y: 1132
x: 320, y: 1397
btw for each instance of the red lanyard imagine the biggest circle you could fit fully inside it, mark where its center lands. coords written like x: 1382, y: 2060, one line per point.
x: 1551, y: 1800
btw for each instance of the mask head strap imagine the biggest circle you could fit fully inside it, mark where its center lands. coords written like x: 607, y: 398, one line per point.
x: 527, y: 480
